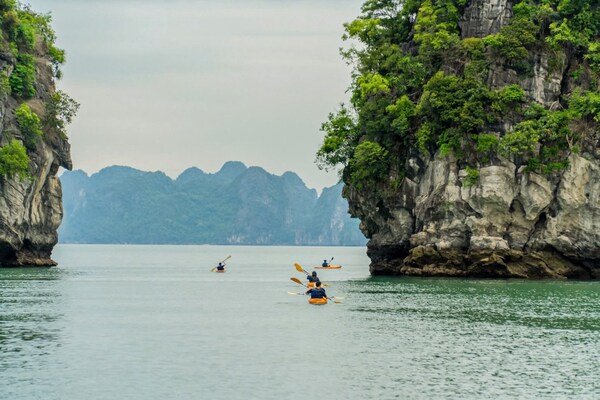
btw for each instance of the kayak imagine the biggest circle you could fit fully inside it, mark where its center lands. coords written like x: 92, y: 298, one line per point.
x: 318, y: 301
x: 219, y: 271
x: 330, y: 267
x: 310, y: 284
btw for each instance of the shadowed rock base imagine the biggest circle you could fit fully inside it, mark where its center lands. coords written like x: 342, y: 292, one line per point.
x: 427, y: 261
x: 26, y: 257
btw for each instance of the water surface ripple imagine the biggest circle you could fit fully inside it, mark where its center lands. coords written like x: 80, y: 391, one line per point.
x: 152, y: 322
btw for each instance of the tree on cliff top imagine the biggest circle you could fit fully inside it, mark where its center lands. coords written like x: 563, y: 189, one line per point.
x: 42, y: 113
x: 418, y: 85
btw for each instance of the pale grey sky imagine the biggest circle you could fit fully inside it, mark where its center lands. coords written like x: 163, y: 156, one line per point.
x: 167, y: 85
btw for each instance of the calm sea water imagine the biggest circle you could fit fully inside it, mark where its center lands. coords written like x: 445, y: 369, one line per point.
x: 152, y: 322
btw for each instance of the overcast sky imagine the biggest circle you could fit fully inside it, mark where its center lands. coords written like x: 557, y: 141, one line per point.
x: 167, y: 85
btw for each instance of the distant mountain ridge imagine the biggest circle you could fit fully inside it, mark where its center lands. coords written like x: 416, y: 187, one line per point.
x: 236, y: 205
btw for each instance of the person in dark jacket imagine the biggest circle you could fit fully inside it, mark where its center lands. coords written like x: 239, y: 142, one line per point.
x: 317, y: 292
x: 325, y: 264
x: 221, y: 267
x: 313, y: 278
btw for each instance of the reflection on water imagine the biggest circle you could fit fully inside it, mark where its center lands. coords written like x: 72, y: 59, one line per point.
x: 29, y: 310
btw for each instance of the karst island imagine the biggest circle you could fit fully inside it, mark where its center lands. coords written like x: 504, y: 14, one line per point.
x: 469, y: 146
x: 33, y: 138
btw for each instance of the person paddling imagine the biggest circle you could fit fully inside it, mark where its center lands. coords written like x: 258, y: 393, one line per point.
x: 312, y: 279
x: 325, y: 264
x: 317, y: 292
x: 221, y: 266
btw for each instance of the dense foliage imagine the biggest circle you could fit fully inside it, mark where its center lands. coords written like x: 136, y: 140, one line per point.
x: 417, y: 84
x: 14, y: 160
x: 30, y: 125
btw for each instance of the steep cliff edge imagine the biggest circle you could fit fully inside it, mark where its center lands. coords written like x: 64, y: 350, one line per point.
x: 33, y: 141
x: 470, y: 147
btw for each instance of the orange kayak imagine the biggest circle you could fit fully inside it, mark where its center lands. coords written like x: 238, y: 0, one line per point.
x: 310, y: 284
x: 220, y: 271
x: 318, y: 302
x: 330, y: 267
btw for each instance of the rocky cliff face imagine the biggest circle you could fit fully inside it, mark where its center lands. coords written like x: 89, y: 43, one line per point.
x: 510, y: 224
x: 512, y: 221
x: 30, y: 207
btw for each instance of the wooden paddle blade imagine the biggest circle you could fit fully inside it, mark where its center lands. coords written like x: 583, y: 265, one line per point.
x: 325, y: 284
x: 299, y: 268
x: 298, y: 281
x: 296, y: 294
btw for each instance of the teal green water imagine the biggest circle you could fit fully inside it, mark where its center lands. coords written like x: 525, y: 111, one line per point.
x: 152, y: 322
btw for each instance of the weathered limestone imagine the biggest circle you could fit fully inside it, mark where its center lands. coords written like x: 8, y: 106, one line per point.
x: 485, y: 17
x: 510, y: 224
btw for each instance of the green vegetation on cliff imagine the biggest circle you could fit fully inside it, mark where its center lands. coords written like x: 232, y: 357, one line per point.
x: 420, y: 84
x: 30, y: 62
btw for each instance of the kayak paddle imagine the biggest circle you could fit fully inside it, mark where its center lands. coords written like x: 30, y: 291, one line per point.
x: 297, y: 281
x: 299, y: 268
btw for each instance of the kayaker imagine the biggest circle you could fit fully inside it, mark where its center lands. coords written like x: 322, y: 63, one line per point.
x: 312, y: 279
x: 221, y: 266
x: 325, y: 264
x: 317, y: 292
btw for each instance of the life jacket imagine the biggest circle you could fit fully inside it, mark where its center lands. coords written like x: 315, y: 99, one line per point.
x: 317, y: 293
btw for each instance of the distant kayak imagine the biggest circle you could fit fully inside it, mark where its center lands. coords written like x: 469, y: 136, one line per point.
x: 219, y: 271
x: 318, y: 302
x: 330, y: 267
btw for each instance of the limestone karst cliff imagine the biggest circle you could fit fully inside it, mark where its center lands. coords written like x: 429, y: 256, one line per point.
x: 33, y: 141
x: 470, y: 147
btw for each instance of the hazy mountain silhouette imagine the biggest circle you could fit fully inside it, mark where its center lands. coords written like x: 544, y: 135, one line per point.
x: 236, y: 205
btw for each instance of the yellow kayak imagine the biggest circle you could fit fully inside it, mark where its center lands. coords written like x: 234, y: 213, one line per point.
x: 330, y: 267
x: 318, y: 301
